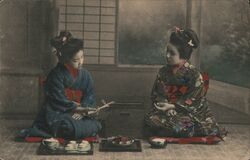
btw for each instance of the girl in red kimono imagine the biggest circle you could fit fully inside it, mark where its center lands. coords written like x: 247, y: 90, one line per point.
x: 68, y: 92
x: 180, y: 108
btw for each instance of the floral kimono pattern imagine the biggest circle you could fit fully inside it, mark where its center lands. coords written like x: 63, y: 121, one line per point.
x: 185, y: 87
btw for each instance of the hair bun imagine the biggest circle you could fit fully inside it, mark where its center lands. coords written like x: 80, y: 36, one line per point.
x: 59, y: 41
x: 185, y: 40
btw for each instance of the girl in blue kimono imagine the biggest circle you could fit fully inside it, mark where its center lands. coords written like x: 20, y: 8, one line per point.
x: 69, y: 95
x: 180, y: 108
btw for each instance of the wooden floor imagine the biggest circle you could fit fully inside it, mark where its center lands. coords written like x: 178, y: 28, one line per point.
x: 236, y: 147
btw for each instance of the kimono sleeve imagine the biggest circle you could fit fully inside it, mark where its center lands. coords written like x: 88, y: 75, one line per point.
x: 89, y: 93
x: 54, y: 91
x: 158, y: 93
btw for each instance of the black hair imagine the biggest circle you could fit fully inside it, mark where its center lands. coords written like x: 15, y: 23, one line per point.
x: 66, y: 46
x: 185, y: 41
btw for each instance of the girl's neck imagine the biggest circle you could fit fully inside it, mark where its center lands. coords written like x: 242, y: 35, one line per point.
x: 182, y: 62
x: 73, y: 71
x: 176, y: 67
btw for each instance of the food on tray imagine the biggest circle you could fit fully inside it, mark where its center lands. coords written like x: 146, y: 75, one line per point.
x: 53, y: 147
x: 121, y: 141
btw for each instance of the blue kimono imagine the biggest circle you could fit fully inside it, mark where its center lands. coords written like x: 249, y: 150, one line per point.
x: 63, y: 86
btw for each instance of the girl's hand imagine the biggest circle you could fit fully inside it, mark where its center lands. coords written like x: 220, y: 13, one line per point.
x: 171, y: 112
x: 163, y: 106
x: 77, y: 116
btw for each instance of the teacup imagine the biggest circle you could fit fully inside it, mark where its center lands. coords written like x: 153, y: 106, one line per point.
x: 51, y: 143
x: 71, y: 147
x: 84, y: 146
x: 84, y: 142
x: 72, y: 142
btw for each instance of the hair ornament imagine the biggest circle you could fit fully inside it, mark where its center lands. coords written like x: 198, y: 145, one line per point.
x: 177, y: 29
x: 64, y: 40
x: 191, y: 43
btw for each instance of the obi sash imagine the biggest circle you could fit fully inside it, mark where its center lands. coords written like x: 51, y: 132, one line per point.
x: 73, y: 95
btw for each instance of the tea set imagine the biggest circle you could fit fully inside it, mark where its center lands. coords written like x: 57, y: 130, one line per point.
x: 70, y: 146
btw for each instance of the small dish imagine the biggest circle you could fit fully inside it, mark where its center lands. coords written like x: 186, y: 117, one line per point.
x: 51, y: 143
x: 157, y: 142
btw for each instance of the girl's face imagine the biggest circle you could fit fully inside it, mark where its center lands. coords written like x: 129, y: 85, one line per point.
x: 173, y: 55
x: 77, y: 60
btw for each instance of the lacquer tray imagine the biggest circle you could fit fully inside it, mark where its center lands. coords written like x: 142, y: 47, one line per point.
x: 44, y: 150
x: 107, y: 146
